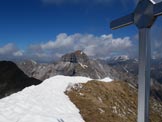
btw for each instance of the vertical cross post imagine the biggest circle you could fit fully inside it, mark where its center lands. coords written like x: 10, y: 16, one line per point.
x: 143, y: 17
x: 144, y: 75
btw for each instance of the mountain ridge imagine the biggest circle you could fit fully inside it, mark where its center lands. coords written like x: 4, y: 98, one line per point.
x: 110, y: 102
x: 79, y: 64
x: 12, y: 79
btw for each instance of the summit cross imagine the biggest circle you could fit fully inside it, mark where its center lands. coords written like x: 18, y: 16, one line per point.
x: 143, y: 17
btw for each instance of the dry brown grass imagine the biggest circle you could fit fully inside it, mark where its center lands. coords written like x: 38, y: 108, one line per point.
x: 110, y: 102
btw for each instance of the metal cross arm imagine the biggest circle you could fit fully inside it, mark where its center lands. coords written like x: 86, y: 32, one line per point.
x: 158, y: 9
x: 121, y: 22
x: 144, y: 8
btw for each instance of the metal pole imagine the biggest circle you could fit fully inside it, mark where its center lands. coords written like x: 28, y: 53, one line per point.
x: 144, y: 75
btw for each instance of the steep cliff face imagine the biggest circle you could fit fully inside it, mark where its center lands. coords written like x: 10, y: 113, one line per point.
x: 28, y: 66
x: 78, y: 64
x: 12, y: 79
x: 75, y: 57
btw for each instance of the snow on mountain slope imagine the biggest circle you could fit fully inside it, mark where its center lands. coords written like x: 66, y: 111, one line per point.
x: 43, y: 103
x: 107, y: 79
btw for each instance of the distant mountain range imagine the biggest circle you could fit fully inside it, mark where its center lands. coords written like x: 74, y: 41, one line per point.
x: 73, y: 64
x: 79, y: 64
x: 131, y: 66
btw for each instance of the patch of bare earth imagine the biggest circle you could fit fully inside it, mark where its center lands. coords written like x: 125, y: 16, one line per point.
x: 110, y: 102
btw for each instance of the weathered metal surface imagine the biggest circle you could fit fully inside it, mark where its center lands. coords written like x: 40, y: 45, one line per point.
x: 144, y: 75
x: 144, y: 14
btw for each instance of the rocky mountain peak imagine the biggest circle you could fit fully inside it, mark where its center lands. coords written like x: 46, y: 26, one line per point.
x: 75, y: 57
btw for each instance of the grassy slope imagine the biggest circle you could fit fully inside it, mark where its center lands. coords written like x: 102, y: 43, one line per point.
x: 110, y: 102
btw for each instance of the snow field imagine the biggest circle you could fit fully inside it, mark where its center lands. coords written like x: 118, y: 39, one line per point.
x: 43, y: 103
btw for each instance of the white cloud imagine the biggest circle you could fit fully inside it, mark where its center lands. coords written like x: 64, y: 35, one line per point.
x: 10, y: 52
x: 7, y: 49
x: 18, y: 53
x: 95, y: 46
x: 62, y: 41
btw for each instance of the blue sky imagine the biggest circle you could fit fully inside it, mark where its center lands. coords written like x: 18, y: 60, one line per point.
x: 40, y: 29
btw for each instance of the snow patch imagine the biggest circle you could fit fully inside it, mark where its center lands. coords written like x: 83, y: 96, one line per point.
x: 114, y: 109
x: 101, y: 110
x: 74, y: 86
x: 107, y: 79
x: 34, y: 62
x: 83, y: 66
x: 100, y: 99
x: 43, y: 103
